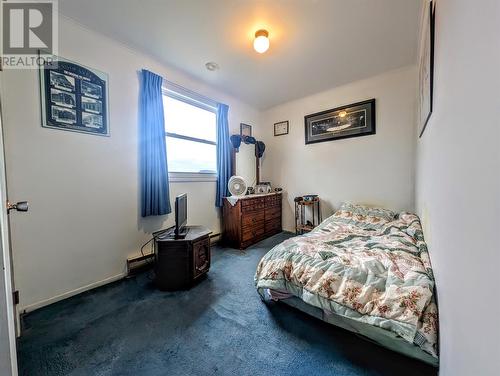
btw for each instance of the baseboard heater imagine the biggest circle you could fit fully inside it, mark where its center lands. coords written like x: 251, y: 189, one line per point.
x: 139, y: 264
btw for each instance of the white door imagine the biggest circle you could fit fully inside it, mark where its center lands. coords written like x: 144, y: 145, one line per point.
x: 8, y: 357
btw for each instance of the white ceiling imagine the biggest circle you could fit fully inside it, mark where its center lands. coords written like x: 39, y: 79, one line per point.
x: 315, y: 44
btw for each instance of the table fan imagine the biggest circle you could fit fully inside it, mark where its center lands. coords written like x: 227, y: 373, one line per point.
x: 237, y: 186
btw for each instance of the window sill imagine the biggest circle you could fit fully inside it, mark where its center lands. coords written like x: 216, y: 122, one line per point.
x: 177, y: 177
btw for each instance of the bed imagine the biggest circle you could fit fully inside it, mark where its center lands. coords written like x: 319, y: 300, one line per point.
x: 364, y: 269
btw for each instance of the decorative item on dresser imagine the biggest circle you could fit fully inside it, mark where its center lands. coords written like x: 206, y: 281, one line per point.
x: 263, y: 187
x: 180, y: 262
x: 249, y: 219
x: 302, y: 224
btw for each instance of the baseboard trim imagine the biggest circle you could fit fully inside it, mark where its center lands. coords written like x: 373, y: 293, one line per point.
x: 46, y: 302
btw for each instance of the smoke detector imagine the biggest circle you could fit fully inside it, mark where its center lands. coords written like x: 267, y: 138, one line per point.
x: 212, y: 66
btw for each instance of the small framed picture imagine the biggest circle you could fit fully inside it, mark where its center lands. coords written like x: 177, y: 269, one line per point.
x: 245, y: 130
x: 281, y: 128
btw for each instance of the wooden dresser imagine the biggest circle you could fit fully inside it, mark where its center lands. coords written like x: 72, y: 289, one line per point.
x: 251, y: 219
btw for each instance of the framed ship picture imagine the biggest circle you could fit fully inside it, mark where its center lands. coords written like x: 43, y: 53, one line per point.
x: 74, y: 97
x: 354, y: 120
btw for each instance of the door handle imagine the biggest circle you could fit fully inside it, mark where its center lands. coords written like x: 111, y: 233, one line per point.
x: 21, y: 206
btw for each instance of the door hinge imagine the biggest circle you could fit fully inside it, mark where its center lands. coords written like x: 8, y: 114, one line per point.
x: 15, y: 295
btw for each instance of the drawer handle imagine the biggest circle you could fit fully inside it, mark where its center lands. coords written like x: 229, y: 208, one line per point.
x: 203, y: 267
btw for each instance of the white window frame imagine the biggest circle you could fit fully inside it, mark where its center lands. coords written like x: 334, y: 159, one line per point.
x: 175, y: 91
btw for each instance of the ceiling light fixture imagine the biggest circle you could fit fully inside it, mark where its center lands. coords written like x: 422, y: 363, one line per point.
x: 261, y: 41
x: 212, y: 66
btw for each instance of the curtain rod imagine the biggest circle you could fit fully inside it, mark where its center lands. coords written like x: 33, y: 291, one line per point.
x: 192, y: 94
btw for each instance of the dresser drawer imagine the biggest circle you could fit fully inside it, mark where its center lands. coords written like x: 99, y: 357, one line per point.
x: 274, y: 200
x: 252, y: 219
x: 252, y: 208
x: 253, y: 201
x: 273, y: 225
x: 274, y: 212
x: 252, y: 233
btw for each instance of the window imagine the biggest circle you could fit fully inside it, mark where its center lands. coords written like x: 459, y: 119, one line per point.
x: 190, y: 131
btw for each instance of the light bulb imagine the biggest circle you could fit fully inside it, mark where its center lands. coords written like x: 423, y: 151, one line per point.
x: 261, y: 41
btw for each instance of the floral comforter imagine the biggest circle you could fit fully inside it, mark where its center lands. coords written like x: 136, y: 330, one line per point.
x: 366, y: 268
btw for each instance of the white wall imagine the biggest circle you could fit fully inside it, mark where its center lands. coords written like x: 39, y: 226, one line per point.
x: 376, y: 169
x: 84, y: 217
x: 458, y: 185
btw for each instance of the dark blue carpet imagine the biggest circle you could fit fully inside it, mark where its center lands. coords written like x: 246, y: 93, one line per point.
x: 219, y: 327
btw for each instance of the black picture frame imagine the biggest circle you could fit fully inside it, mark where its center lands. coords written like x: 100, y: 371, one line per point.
x: 426, y: 62
x: 245, y: 130
x: 280, y: 123
x: 74, y: 97
x: 362, y: 115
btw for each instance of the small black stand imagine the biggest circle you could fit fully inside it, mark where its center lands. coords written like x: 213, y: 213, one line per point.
x: 180, y: 262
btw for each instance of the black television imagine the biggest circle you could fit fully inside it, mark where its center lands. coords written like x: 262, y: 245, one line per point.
x: 180, y: 216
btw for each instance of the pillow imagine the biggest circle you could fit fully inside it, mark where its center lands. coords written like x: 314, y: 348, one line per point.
x: 386, y: 214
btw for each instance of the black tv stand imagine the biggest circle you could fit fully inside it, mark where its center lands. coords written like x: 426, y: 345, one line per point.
x: 180, y: 262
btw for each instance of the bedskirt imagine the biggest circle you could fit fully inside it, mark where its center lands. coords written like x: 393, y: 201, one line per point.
x: 381, y: 337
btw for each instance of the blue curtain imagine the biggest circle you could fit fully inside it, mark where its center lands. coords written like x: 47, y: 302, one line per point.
x: 155, y: 195
x: 223, y: 154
